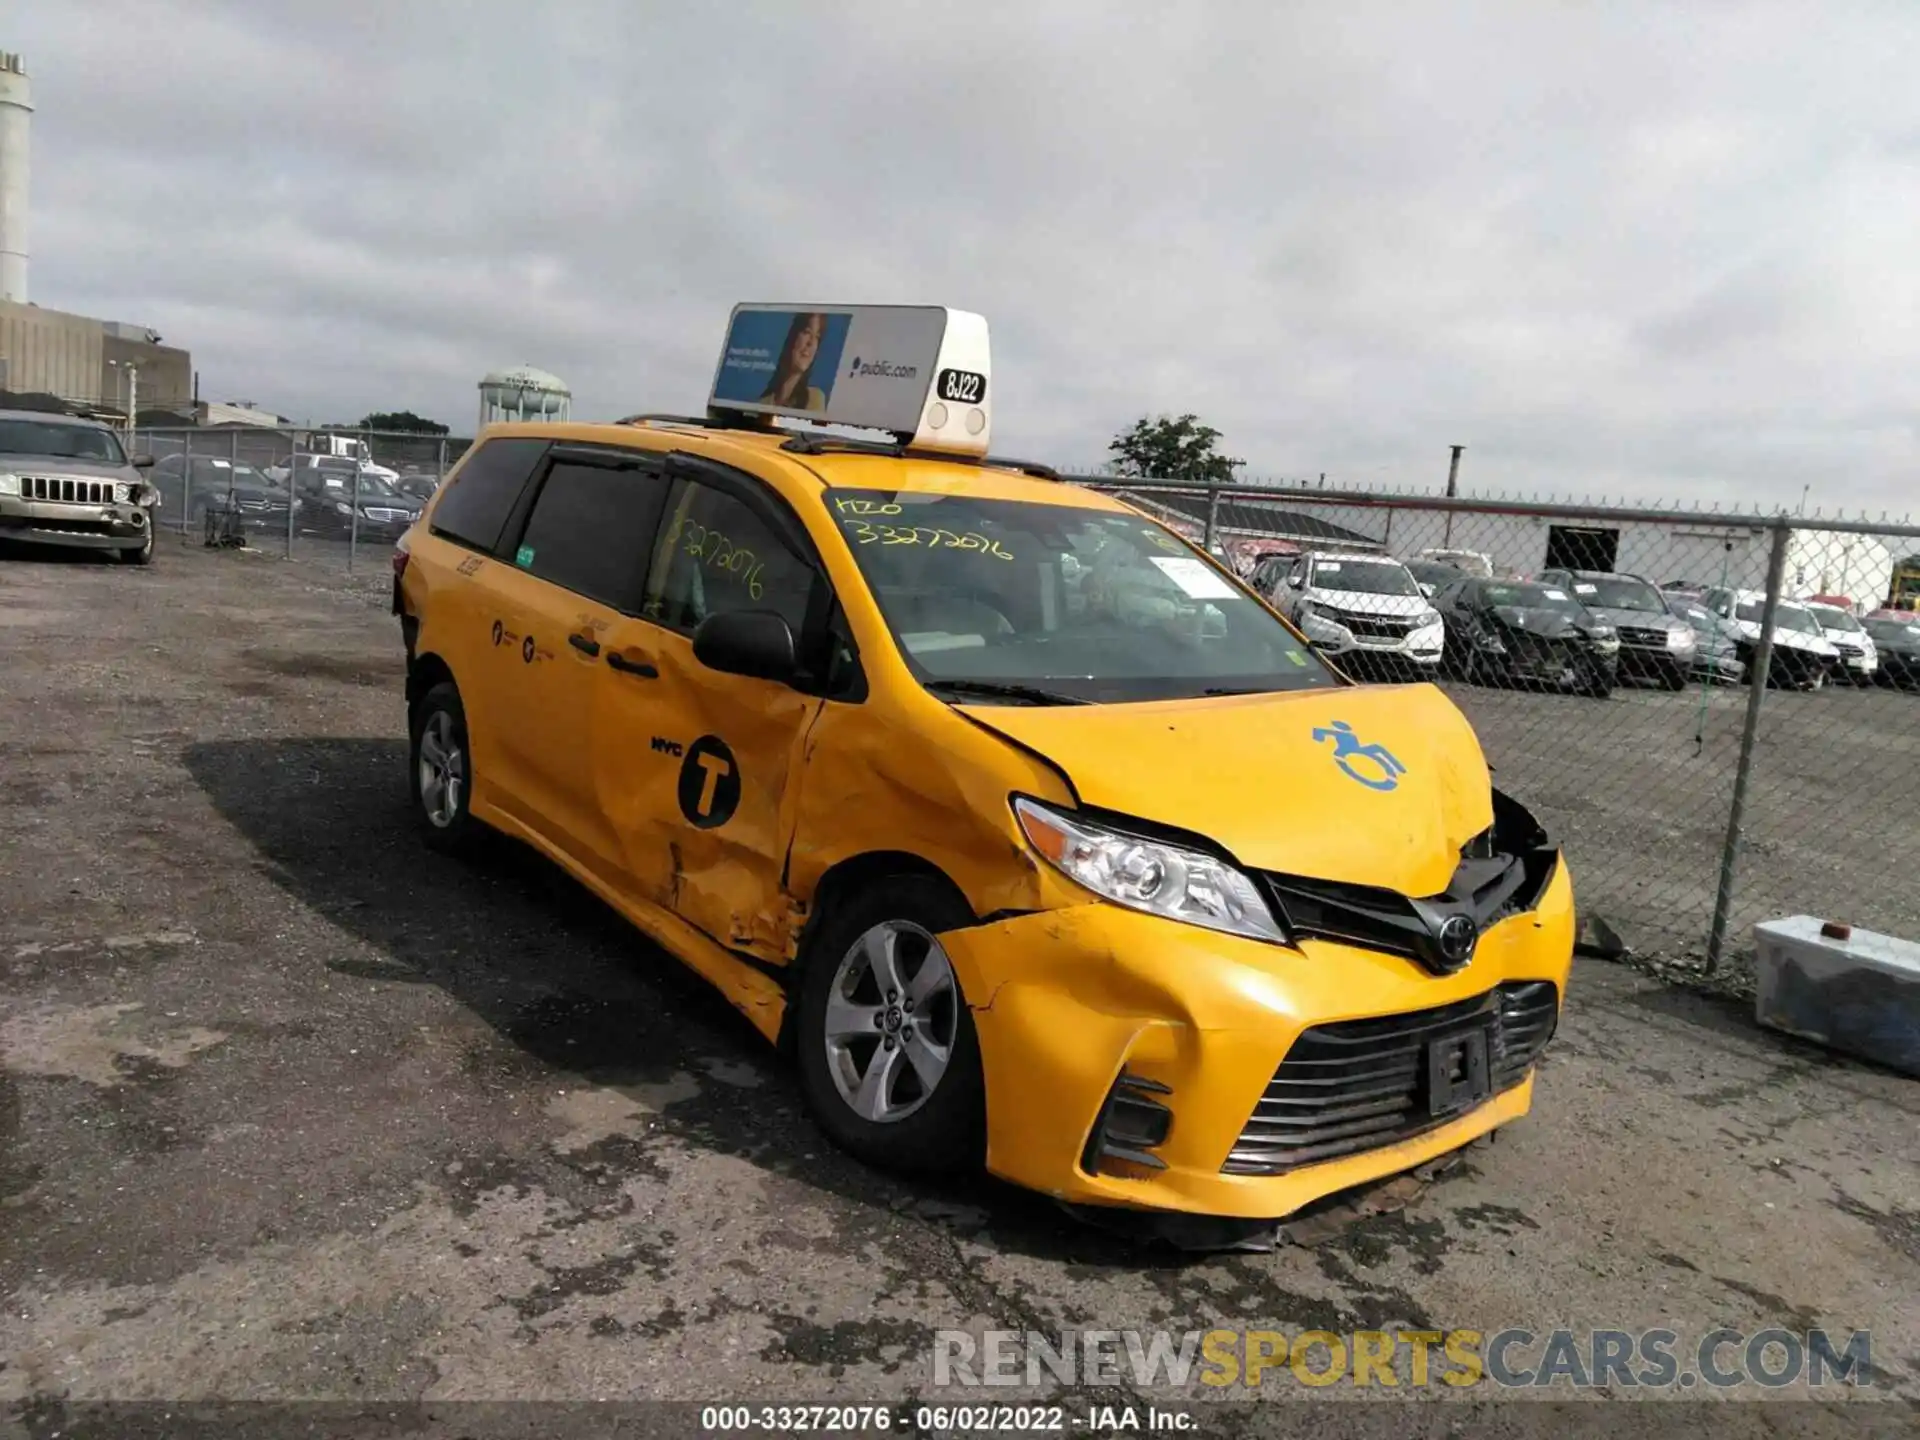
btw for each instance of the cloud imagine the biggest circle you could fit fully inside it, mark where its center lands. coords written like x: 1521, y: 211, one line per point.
x: 1653, y: 251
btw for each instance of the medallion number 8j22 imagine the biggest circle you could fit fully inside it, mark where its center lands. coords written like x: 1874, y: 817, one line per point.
x: 963, y: 387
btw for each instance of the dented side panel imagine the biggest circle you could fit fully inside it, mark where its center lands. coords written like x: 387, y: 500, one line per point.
x: 695, y: 772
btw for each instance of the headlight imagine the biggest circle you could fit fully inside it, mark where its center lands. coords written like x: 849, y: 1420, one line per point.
x: 121, y: 492
x: 1680, y: 640
x: 342, y: 508
x: 1164, y: 880
x: 9, y: 484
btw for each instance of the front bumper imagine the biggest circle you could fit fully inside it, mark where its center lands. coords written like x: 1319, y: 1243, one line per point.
x: 86, y: 527
x: 1065, y: 1001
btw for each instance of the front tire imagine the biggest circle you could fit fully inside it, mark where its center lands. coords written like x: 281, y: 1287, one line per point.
x: 889, y: 1060
x: 440, y: 771
x: 143, y: 555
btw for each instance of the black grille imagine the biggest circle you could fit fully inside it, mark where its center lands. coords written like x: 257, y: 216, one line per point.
x: 1643, y: 638
x: 1359, y: 1084
x: 1378, y: 627
x: 78, y: 492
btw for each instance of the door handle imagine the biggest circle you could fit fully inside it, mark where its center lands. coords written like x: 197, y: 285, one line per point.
x: 645, y: 669
x: 585, y: 644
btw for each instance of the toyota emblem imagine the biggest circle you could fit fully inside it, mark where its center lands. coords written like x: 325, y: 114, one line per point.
x: 1458, y: 935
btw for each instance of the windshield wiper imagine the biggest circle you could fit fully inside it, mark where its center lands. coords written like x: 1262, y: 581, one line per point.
x: 1000, y: 690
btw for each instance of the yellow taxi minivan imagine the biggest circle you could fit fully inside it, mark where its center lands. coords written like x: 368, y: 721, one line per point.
x: 1031, y: 833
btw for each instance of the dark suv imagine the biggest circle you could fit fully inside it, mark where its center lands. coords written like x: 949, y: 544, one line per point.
x: 1655, y: 644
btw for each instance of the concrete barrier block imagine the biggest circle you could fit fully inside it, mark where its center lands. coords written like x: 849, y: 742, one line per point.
x: 1858, y: 992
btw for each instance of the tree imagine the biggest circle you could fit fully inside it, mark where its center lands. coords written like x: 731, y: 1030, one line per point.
x: 1173, y: 448
x: 399, y: 422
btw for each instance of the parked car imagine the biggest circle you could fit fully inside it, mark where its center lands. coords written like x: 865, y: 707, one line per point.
x: 341, y: 467
x: 1524, y: 632
x: 1716, y: 650
x: 1365, y: 609
x: 416, y: 484
x: 66, y: 481
x: 1430, y: 575
x: 1858, y: 657
x: 327, y: 508
x: 1803, y: 657
x: 1655, y: 644
x: 1898, y: 642
x: 1469, y: 562
x: 194, y: 487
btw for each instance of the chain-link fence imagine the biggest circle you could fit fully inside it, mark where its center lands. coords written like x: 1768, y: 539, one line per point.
x: 336, y: 496
x: 1604, y: 654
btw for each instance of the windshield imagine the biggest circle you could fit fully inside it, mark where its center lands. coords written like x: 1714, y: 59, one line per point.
x: 1531, y: 597
x: 1796, y: 618
x: 1832, y: 617
x: 67, y: 442
x: 1618, y: 592
x: 1086, y: 604
x: 1364, y: 577
x: 1892, y: 630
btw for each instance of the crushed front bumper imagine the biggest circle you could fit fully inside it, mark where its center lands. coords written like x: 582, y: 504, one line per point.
x: 1107, y: 1035
x: 105, y: 526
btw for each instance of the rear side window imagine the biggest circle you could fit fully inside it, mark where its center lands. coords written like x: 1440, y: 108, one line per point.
x: 592, y: 529
x: 482, y: 495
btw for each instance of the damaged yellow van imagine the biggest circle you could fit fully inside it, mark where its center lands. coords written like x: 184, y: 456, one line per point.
x: 1033, y: 835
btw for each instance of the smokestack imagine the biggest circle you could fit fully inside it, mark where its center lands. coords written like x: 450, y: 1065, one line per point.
x: 16, y: 117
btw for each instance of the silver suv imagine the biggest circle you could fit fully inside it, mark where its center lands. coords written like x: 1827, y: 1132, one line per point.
x: 65, y: 481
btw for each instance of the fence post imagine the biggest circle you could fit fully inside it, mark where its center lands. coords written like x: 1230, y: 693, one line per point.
x: 440, y: 463
x: 186, y: 484
x: 293, y: 484
x: 1749, y: 731
x: 353, y: 501
x: 1213, y: 516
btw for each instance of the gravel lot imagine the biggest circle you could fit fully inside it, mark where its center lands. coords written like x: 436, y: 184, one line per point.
x: 291, y: 1108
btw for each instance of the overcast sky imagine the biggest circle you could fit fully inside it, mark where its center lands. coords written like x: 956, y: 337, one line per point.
x: 1661, y: 251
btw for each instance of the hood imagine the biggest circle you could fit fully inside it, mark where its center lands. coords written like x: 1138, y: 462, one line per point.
x: 1552, y: 624
x: 1363, y: 602
x: 1789, y: 639
x: 66, y: 465
x: 1247, y: 772
x: 1638, y: 619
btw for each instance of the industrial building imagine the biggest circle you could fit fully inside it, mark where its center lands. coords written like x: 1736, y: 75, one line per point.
x: 101, y: 367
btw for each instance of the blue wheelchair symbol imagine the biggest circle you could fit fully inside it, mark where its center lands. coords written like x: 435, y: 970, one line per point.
x: 1347, y: 748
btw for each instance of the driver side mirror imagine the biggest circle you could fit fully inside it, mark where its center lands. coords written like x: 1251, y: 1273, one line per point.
x: 142, y: 462
x: 755, y: 643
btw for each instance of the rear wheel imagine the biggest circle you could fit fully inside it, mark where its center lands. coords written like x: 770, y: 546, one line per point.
x: 441, y: 770
x: 889, y: 1061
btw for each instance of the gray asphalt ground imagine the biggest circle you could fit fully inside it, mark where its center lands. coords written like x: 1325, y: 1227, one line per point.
x: 292, y: 1109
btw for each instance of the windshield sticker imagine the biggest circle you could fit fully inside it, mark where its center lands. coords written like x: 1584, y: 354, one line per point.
x: 523, y: 557
x: 1586, y: 589
x: 1197, y: 581
x: 865, y: 533
x: 1329, y: 567
x: 1556, y: 594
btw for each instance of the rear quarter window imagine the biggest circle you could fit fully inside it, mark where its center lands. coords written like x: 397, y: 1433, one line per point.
x: 481, y: 494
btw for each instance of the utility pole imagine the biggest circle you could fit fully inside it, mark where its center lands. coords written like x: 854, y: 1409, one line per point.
x: 1453, y: 490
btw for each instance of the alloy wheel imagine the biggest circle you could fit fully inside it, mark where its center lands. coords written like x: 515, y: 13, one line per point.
x: 892, y: 1018
x: 443, y: 770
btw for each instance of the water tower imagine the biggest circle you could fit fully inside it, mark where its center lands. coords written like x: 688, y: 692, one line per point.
x: 523, y: 393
